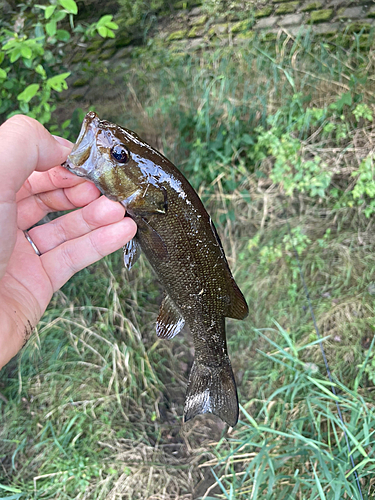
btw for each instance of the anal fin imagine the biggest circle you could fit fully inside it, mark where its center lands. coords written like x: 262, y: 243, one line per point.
x: 169, y: 322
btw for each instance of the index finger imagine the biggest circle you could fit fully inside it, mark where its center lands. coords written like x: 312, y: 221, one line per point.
x: 42, y: 182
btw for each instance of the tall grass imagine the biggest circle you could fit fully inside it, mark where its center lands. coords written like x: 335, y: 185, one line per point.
x: 92, y: 406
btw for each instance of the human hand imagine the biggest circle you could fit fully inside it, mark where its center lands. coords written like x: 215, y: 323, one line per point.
x: 29, y: 189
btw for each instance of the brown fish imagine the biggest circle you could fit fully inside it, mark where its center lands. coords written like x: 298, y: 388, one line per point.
x: 180, y: 241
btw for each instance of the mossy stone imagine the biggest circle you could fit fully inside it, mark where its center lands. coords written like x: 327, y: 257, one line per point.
x: 78, y: 57
x: 357, y: 27
x: 95, y: 45
x: 266, y: 11
x: 195, y: 32
x: 320, y: 16
x: 177, y: 35
x: 77, y: 97
x: 287, y: 8
x: 123, y: 40
x: 181, y: 5
x: 107, y: 54
x: 241, y: 26
x: 312, y: 6
x: 371, y: 13
x: 199, y: 21
x: 81, y: 82
x: 280, y: 1
x: 269, y: 37
x: 249, y: 35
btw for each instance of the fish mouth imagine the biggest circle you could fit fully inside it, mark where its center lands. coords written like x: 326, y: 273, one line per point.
x: 82, y: 159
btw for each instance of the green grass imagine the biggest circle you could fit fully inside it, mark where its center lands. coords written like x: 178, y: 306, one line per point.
x: 92, y: 407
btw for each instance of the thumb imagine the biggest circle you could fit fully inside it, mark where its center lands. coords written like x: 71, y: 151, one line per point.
x: 25, y: 146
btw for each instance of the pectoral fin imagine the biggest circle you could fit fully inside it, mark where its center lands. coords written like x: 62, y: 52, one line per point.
x: 169, y: 322
x: 148, y: 199
x: 132, y: 251
x: 149, y: 239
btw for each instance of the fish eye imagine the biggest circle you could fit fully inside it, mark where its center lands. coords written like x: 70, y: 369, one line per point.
x: 120, y: 153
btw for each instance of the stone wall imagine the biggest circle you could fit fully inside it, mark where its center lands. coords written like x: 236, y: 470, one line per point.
x: 192, y: 28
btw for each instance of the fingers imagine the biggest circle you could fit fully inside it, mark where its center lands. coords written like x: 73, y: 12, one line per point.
x: 25, y: 146
x: 65, y: 260
x: 75, y: 224
x: 31, y: 210
x: 41, y: 182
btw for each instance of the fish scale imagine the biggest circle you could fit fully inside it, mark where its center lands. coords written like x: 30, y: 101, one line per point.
x: 179, y: 239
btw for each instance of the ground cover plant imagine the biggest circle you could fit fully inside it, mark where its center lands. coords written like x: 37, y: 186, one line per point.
x: 269, y: 133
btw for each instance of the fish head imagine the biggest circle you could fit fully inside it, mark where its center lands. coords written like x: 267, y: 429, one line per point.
x: 115, y: 159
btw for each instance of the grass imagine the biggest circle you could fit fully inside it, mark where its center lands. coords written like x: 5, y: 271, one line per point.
x: 92, y: 407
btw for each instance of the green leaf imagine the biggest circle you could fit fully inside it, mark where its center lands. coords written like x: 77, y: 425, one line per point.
x: 2, y: 55
x: 63, y: 35
x: 70, y: 6
x: 10, y: 488
x: 40, y: 70
x: 59, y: 16
x: 3, y: 74
x: 49, y: 11
x: 112, y: 25
x: 58, y: 82
x: 104, y: 20
x: 51, y: 28
x: 15, y: 54
x: 345, y: 98
x: 102, y: 30
x: 26, y: 52
x: 29, y: 92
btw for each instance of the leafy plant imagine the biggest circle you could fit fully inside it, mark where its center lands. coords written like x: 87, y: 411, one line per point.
x: 33, y: 47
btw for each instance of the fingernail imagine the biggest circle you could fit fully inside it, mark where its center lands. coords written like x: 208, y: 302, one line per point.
x: 64, y: 143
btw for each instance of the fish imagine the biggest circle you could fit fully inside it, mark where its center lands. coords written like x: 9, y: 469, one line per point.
x: 179, y: 239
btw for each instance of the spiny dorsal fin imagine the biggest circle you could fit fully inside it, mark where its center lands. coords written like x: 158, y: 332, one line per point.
x: 169, y: 322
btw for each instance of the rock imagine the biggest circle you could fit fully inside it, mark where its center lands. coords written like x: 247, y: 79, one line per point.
x: 266, y: 11
x: 177, y: 35
x: 267, y: 22
x: 319, y: 16
x: 352, y: 13
x: 327, y: 28
x: 241, y: 26
x: 287, y: 8
x: 196, y: 11
x: 198, y: 21
x: 311, y: 6
x: 291, y: 19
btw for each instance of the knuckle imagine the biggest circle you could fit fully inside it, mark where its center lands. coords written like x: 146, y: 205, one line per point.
x: 95, y: 245
x: 67, y: 256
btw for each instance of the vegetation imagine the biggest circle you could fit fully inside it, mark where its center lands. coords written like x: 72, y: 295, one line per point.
x: 34, y: 42
x: 271, y: 134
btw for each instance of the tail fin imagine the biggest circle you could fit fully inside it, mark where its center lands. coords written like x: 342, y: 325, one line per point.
x: 212, y: 389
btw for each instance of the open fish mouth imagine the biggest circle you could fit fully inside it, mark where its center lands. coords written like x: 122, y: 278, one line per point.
x: 82, y: 159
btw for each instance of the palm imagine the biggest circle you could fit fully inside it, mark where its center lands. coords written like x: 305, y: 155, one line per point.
x: 67, y: 244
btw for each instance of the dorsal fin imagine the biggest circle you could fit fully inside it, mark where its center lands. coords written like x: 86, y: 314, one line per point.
x: 237, y: 308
